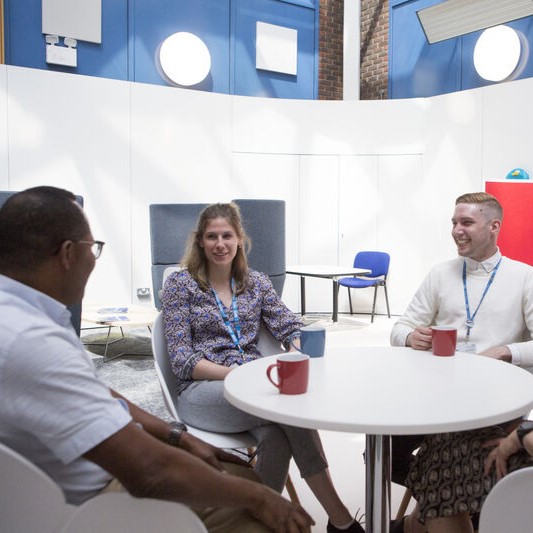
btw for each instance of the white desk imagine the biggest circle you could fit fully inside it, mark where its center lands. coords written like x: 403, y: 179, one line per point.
x: 333, y: 273
x: 382, y: 391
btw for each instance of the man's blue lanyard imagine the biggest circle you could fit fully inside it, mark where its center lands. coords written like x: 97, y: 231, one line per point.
x: 235, y: 334
x: 469, y: 318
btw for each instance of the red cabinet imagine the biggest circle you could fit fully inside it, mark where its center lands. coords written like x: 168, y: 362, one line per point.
x: 516, y: 235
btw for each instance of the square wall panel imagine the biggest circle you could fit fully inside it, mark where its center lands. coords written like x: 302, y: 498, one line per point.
x: 276, y: 48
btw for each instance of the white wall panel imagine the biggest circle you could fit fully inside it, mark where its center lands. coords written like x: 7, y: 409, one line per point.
x: 328, y: 127
x: 507, y: 119
x: 180, y: 154
x: 354, y: 174
x: 400, y: 230
x: 358, y: 217
x: 319, y: 225
x: 73, y: 132
x: 4, y: 167
x: 453, y: 165
x: 275, y: 177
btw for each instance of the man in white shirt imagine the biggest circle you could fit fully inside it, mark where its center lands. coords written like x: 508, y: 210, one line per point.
x: 487, y: 297
x: 55, y: 411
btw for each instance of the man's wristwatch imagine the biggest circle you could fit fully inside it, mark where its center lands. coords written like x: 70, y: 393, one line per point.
x: 523, y: 429
x: 176, y: 429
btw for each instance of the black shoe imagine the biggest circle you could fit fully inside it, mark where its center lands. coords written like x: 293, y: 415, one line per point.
x: 396, y: 526
x: 356, y: 527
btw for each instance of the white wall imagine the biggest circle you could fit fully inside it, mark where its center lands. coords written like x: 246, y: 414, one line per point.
x: 355, y: 174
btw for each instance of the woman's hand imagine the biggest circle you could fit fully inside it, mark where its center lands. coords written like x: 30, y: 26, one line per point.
x: 503, y: 448
x: 205, y: 369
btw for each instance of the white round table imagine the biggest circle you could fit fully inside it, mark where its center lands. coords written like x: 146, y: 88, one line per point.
x: 383, y: 391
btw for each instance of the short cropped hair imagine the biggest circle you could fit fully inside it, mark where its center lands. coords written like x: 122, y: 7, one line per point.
x: 484, y: 199
x: 194, y: 259
x: 33, y: 225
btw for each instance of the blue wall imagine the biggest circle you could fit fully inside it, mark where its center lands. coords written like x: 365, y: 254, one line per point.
x: 418, y: 69
x: 132, y: 31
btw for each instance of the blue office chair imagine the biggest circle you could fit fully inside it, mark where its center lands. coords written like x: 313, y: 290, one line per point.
x: 378, y: 264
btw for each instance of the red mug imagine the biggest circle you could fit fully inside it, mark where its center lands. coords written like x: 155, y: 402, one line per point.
x: 293, y: 373
x: 444, y: 340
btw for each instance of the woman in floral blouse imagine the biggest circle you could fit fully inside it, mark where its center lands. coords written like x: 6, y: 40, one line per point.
x: 212, y: 313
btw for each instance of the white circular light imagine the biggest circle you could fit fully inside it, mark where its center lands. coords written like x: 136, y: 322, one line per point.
x: 497, y: 53
x: 184, y: 58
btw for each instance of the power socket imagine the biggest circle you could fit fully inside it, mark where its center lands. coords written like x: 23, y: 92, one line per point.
x: 143, y: 292
x: 61, y: 55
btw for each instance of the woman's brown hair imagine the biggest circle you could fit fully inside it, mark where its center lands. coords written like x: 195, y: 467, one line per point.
x: 194, y: 259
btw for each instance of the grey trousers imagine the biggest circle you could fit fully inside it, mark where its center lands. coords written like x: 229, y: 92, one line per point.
x: 202, y: 405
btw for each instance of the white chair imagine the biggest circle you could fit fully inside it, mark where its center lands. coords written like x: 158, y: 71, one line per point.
x: 267, y: 345
x: 30, y: 501
x: 167, y: 382
x: 118, y: 512
x: 508, y: 506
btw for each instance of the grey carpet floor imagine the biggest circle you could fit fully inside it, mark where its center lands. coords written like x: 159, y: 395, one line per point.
x: 133, y: 376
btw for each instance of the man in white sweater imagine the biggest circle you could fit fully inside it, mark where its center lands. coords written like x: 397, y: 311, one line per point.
x: 487, y: 297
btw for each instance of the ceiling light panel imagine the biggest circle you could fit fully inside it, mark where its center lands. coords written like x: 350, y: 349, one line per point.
x: 453, y: 18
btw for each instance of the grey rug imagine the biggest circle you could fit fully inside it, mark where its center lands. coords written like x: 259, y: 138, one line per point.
x: 133, y: 376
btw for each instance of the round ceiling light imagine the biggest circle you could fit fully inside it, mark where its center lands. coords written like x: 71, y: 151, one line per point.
x: 184, y: 59
x: 497, y: 53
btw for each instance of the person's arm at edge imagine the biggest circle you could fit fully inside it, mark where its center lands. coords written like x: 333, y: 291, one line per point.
x: 160, y: 429
x: 150, y: 469
x: 503, y: 449
x: 412, y: 328
x: 519, y: 353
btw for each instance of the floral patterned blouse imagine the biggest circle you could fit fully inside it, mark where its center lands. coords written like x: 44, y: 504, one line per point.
x: 195, y: 328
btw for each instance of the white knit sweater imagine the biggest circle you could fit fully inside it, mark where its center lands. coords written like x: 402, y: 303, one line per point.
x: 505, y: 316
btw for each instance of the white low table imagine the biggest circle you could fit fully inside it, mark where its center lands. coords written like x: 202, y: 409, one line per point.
x: 383, y: 391
x: 136, y: 316
x: 333, y: 273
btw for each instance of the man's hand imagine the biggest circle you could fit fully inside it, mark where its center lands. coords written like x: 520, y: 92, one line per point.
x: 208, y: 453
x: 503, y: 449
x: 281, y: 515
x: 501, y: 353
x: 419, y: 339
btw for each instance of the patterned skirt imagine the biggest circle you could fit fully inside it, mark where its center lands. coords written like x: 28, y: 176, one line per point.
x: 446, y: 475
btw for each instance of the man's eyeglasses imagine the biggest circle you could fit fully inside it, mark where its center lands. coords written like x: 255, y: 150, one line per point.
x: 96, y: 247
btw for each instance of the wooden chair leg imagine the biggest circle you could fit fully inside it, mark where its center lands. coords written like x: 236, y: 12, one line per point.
x: 289, y: 485
x: 403, y: 505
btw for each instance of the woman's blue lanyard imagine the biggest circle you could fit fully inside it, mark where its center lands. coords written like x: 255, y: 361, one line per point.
x: 235, y: 334
x: 470, y: 319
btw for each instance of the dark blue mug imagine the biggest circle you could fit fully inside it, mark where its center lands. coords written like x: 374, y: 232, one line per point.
x: 312, y: 341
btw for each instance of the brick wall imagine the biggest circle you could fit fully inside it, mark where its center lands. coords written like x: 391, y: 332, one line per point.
x: 374, y: 49
x: 330, y: 49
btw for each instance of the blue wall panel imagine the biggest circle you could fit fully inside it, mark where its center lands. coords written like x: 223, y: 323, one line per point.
x: 246, y: 78
x: 132, y: 31
x: 25, y: 44
x: 420, y: 69
x: 155, y: 20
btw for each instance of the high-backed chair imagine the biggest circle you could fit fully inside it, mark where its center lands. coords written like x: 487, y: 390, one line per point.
x: 508, y: 505
x: 30, y: 501
x: 121, y: 513
x: 167, y: 380
x: 170, y: 226
x: 378, y: 264
x: 263, y: 220
x: 75, y: 310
